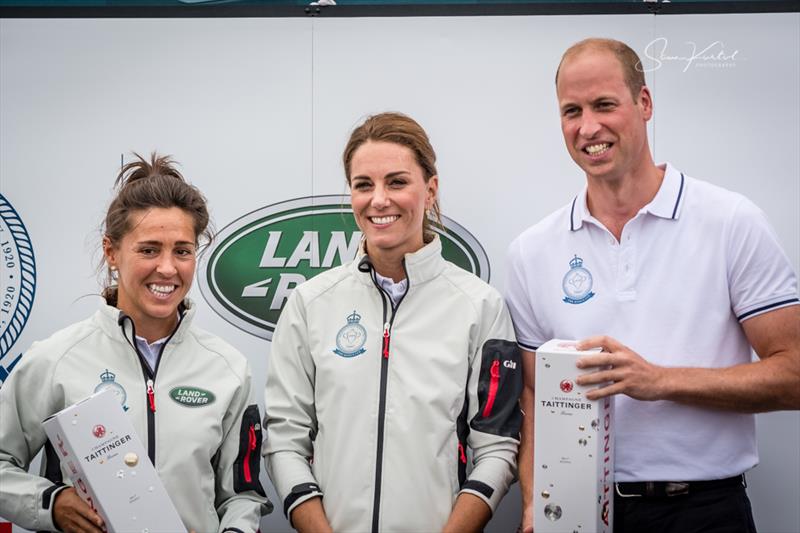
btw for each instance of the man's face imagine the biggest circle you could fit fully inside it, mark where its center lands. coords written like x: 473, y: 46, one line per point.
x: 604, y: 128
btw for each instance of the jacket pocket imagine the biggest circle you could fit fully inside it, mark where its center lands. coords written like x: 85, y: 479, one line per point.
x: 246, y: 467
x: 499, y: 388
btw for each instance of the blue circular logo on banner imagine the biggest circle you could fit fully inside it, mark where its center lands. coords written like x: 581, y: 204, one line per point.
x: 17, y: 283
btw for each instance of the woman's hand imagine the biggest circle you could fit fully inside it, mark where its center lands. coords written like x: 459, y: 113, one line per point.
x: 71, y: 514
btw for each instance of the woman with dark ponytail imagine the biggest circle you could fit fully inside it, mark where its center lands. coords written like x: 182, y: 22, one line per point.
x: 142, y: 345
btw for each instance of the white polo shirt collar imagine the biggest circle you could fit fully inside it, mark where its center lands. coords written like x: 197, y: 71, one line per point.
x: 666, y: 204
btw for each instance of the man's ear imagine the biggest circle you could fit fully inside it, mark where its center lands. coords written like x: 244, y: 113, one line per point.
x: 646, y: 102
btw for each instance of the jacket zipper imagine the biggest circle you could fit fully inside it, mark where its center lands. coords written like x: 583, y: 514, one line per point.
x: 150, y: 379
x: 251, y: 445
x: 376, y: 502
x: 386, y: 346
x: 494, y: 382
x: 151, y: 395
x: 386, y: 327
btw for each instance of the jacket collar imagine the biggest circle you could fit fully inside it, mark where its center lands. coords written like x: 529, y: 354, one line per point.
x: 667, y: 202
x: 113, y: 321
x: 421, y: 266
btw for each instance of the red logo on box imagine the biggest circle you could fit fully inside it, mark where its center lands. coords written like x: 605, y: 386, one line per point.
x: 60, y: 444
x: 99, y: 431
x: 566, y: 385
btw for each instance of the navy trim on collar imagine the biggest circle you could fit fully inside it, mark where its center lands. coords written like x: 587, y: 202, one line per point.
x: 666, y: 203
x: 678, y: 201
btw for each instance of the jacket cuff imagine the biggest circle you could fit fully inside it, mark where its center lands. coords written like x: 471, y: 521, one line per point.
x: 46, y: 517
x: 299, y: 494
x: 288, y: 471
x: 243, y: 515
x: 482, y: 491
x: 490, y: 479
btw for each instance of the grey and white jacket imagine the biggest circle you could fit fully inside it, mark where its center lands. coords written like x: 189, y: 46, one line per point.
x: 374, y: 407
x: 207, y: 456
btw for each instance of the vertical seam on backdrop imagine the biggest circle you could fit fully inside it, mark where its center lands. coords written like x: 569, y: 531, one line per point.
x: 313, y: 177
x: 655, y: 122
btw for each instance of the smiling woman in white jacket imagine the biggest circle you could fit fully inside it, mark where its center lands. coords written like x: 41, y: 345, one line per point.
x: 387, y: 374
x: 143, y: 346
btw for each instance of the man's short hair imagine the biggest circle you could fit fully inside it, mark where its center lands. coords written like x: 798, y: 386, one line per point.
x: 628, y: 59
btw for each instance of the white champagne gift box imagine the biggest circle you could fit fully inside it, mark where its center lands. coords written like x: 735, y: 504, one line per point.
x: 573, y: 447
x: 109, y: 467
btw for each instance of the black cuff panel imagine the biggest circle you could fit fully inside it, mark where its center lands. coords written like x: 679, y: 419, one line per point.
x: 47, y: 495
x: 479, y: 486
x: 298, y: 491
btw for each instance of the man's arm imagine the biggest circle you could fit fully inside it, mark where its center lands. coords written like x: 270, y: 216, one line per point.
x: 525, y: 459
x: 770, y: 384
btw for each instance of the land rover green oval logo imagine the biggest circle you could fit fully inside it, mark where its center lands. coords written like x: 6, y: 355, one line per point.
x: 256, y: 261
x: 192, y: 396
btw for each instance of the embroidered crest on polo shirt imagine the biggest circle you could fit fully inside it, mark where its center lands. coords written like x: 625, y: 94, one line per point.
x: 107, y: 381
x: 577, y: 282
x: 351, y: 337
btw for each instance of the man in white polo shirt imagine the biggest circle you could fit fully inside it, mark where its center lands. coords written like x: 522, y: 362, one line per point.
x: 676, y: 279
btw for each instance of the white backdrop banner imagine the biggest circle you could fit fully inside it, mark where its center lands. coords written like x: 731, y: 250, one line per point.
x: 258, y: 112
